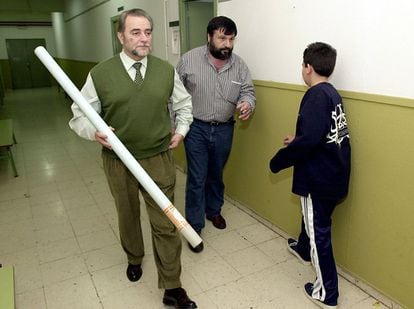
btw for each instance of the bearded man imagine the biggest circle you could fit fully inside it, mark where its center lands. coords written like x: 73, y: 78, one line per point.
x: 220, y: 85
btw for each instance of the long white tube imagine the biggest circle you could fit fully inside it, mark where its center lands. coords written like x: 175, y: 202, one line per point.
x: 130, y: 162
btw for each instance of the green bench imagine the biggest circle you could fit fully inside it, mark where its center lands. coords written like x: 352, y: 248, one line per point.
x: 7, y: 140
x: 7, y: 287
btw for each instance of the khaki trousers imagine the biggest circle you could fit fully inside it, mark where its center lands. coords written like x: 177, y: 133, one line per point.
x: 166, y: 240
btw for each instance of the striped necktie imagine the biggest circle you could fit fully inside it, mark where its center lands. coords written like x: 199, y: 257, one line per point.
x: 138, y: 77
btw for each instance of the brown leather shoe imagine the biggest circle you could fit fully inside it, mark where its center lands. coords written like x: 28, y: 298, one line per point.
x: 218, y: 222
x: 178, y: 298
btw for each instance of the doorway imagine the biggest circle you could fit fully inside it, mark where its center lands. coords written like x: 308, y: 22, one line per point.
x: 116, y: 45
x: 26, y: 69
x: 194, y: 17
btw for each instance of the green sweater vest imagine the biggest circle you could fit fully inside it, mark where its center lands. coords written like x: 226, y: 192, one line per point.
x: 139, y: 114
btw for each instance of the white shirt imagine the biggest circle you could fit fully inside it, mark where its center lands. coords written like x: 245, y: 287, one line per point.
x: 180, y: 102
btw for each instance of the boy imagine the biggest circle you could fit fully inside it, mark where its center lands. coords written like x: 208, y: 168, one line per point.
x: 320, y: 153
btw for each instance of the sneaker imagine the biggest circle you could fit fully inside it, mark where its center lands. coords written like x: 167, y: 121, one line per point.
x: 292, y: 247
x: 308, y: 289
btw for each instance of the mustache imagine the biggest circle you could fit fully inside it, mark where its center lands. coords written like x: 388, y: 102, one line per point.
x: 225, y: 50
x: 135, y: 53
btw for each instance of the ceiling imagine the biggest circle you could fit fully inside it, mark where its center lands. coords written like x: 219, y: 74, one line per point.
x: 31, y: 6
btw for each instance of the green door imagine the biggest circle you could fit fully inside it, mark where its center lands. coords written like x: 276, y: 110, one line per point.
x: 199, y: 14
x: 194, y: 17
x: 26, y: 69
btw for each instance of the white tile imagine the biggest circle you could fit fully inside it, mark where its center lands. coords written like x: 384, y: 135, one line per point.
x: 34, y: 299
x: 349, y: 294
x: 190, y: 284
x: 25, y: 256
x: 86, y: 211
x: 48, y: 208
x: 229, y: 242
x: 16, y: 237
x: 249, y: 260
x: 105, y: 257
x: 15, y: 214
x: 14, y: 204
x: 97, y: 240
x: 229, y: 296
x: 111, y: 280
x: 47, y: 198
x: 203, y: 301
x: 74, y: 194
x: 137, y: 296
x: 53, y: 233
x: 58, y: 250
x: 256, y: 233
x: 276, y: 249
x: 49, y: 220
x: 42, y: 189
x: 87, y: 225
x: 73, y: 293
x: 367, y: 303
x: 27, y: 277
x: 63, y: 269
x: 213, y: 273
x: 189, y: 258
x: 235, y: 217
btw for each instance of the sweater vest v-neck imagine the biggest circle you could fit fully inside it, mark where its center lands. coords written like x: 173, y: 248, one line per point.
x: 138, y: 113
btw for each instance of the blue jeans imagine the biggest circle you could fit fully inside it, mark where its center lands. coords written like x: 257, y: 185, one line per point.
x: 207, y: 147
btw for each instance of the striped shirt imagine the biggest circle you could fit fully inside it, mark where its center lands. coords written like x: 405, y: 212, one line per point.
x: 215, y: 94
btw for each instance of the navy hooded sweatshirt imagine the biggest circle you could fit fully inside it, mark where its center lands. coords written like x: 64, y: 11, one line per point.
x: 320, y: 151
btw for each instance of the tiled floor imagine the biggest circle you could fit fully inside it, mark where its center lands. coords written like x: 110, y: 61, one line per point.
x: 58, y: 228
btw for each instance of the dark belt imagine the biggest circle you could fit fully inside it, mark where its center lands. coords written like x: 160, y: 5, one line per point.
x: 214, y: 123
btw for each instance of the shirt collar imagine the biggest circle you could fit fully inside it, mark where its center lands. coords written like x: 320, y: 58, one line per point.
x: 128, y: 62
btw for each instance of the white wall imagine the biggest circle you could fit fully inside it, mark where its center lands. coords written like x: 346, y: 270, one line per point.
x: 12, y: 32
x: 373, y: 39
x: 86, y: 27
x: 172, y: 14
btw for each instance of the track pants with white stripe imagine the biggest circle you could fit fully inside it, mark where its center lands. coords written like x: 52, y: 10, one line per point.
x: 315, y: 240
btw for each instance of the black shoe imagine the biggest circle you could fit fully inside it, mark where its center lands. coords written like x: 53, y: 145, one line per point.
x: 218, y: 221
x: 292, y: 246
x: 308, y: 290
x: 134, y: 272
x: 196, y: 249
x: 199, y: 247
x: 178, y: 299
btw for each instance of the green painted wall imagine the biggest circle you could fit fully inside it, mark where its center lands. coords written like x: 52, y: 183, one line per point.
x: 76, y: 70
x: 372, y: 229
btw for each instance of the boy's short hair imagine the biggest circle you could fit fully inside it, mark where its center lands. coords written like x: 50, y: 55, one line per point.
x: 321, y: 56
x: 222, y: 22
